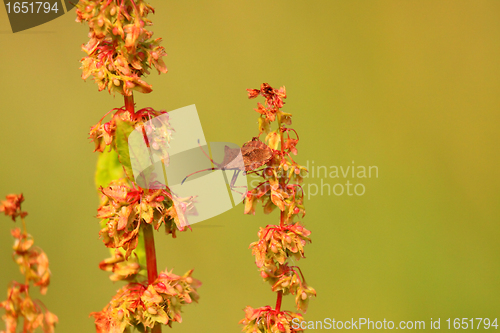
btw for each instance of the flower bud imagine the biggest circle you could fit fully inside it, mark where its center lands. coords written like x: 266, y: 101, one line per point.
x: 264, y: 275
x: 120, y: 315
x: 303, y: 296
x: 152, y: 310
x: 189, y: 280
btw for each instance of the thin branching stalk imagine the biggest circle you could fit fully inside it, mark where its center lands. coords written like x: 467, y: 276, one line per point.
x: 279, y: 189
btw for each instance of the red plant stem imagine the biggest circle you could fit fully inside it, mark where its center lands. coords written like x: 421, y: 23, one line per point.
x: 25, y: 232
x: 282, y: 219
x: 282, y: 184
x: 278, y: 301
x: 26, y: 259
x: 280, y: 293
x: 149, y: 242
x: 129, y: 103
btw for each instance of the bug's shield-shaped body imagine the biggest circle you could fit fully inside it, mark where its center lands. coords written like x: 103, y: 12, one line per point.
x: 255, y: 154
x: 252, y: 155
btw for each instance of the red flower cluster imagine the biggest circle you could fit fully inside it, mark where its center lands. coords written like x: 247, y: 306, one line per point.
x: 142, y: 305
x: 20, y: 305
x: 274, y: 97
x: 125, y: 209
x: 32, y: 261
x: 280, y: 189
x: 103, y: 135
x: 265, y: 319
x: 278, y: 243
x: 12, y: 206
x: 34, y: 265
x: 120, y: 49
x: 271, y: 108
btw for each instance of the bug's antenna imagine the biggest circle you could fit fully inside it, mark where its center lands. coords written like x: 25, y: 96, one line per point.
x: 199, y: 144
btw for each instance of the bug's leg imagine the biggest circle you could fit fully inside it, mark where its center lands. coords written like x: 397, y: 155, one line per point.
x: 196, y: 173
x: 233, y: 181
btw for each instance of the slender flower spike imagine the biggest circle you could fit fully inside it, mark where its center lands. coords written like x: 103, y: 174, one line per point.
x: 280, y: 189
x: 34, y: 265
x: 119, y: 53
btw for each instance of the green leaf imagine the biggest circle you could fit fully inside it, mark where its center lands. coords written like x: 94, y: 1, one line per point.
x: 115, y: 165
x: 108, y: 168
x: 123, y: 130
x: 140, y: 251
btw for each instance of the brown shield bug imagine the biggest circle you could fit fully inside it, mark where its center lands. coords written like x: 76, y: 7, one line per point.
x: 254, y: 154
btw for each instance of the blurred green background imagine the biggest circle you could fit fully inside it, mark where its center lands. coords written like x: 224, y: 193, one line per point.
x: 409, y: 86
